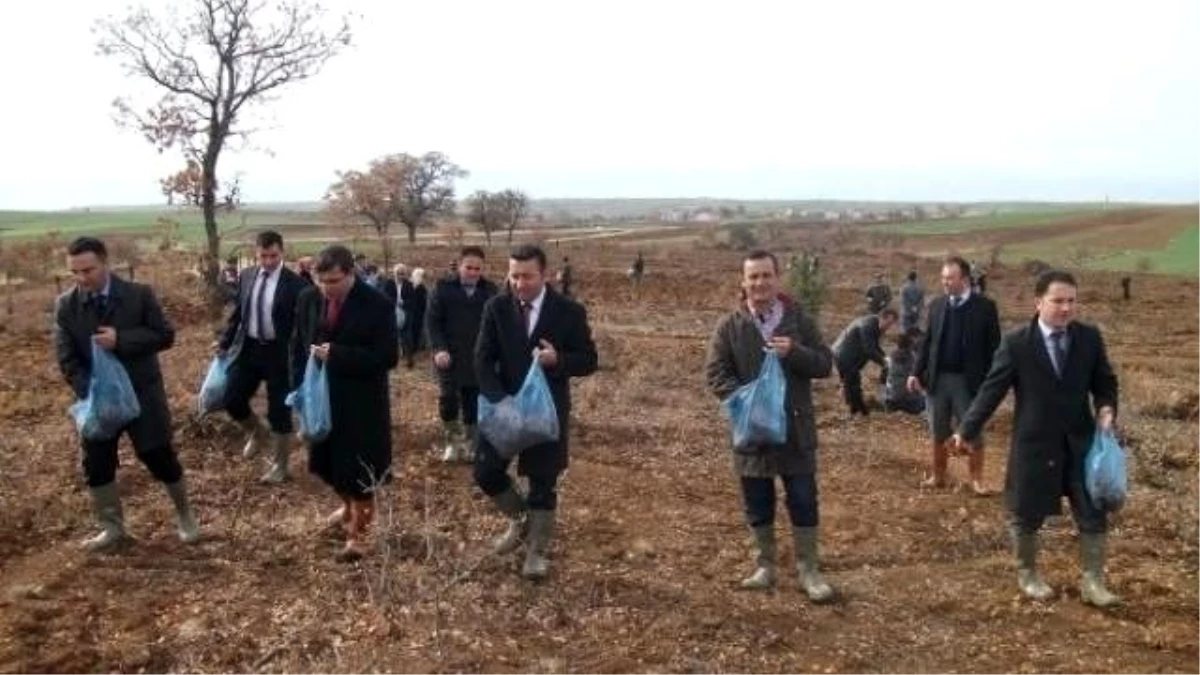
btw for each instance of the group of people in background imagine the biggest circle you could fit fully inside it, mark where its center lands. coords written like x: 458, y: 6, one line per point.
x: 485, y: 337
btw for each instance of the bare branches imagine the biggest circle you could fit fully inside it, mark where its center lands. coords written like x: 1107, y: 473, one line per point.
x: 210, y: 68
x: 396, y: 188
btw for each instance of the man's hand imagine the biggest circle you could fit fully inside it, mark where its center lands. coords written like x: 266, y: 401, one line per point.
x: 215, y: 347
x: 106, y: 337
x: 914, y: 385
x: 547, y: 357
x: 321, y: 351
x: 442, y: 360
x: 782, y: 345
x: 1104, y: 418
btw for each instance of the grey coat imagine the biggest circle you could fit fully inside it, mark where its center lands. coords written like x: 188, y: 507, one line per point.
x: 142, y: 332
x: 858, y: 344
x: 735, y: 354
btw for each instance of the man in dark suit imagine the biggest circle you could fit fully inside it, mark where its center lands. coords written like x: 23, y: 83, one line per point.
x: 257, y: 338
x: 125, y: 319
x: 1052, y: 364
x: 857, y: 345
x: 452, y: 323
x: 351, y: 328
x: 530, y: 315
x: 962, y: 333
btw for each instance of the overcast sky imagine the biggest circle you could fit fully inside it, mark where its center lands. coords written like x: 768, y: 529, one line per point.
x: 920, y: 100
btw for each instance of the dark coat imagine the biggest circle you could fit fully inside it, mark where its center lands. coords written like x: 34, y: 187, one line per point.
x: 452, y: 324
x: 858, y: 344
x: 283, y: 310
x: 363, y: 349
x: 735, y: 355
x: 503, y: 354
x: 142, y: 332
x: 415, y: 299
x: 981, y: 336
x: 388, y: 288
x: 1053, y: 416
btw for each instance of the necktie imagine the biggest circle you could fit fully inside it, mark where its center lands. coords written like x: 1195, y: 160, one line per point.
x: 260, y: 307
x: 101, y: 301
x: 526, y: 315
x: 333, y: 308
x: 1060, y: 351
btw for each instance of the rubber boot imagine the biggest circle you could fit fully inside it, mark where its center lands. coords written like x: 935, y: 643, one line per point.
x: 541, y: 531
x: 512, y: 504
x: 106, y: 503
x: 763, y: 576
x: 808, y: 567
x: 1025, y: 545
x: 1091, y: 561
x: 281, y: 449
x: 189, y: 531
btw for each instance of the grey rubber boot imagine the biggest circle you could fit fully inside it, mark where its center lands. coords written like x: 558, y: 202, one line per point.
x: 189, y: 531
x: 1091, y: 561
x: 1025, y: 545
x: 512, y: 504
x: 467, y: 448
x: 541, y: 531
x: 764, y: 573
x: 258, y: 432
x: 281, y: 448
x: 808, y: 565
x: 452, y: 441
x: 106, y: 503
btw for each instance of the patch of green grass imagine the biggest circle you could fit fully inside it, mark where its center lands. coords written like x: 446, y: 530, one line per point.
x: 995, y: 221
x: 1181, y: 256
x: 31, y: 224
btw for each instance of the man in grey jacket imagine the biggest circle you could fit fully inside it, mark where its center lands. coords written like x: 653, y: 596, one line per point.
x: 857, y: 345
x: 764, y: 320
x: 125, y: 319
x: 912, y: 301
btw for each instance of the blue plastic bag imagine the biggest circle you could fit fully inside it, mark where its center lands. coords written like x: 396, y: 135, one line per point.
x: 756, y: 410
x: 1104, y: 472
x: 216, y: 382
x: 111, y: 403
x: 522, y: 421
x: 311, y: 403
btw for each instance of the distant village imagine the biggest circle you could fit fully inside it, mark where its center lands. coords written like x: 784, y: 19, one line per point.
x: 849, y: 215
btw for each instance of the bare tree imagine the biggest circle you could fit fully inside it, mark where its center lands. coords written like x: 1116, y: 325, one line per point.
x: 376, y: 195
x: 212, y: 64
x: 428, y: 190
x: 514, y: 207
x: 485, y: 211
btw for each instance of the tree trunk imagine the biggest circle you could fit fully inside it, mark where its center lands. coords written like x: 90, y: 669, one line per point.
x: 208, y: 204
x: 487, y: 234
x: 412, y: 232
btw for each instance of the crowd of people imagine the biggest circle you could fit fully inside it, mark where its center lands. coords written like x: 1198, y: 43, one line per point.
x: 484, y: 337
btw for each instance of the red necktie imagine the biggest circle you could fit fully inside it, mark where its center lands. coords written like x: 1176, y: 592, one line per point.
x: 332, y: 309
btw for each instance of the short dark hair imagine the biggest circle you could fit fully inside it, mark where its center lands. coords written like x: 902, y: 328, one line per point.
x: 889, y: 313
x: 960, y: 262
x: 761, y: 254
x: 268, y: 239
x: 334, y: 257
x: 527, y: 252
x: 912, y: 276
x: 81, y: 245
x: 1051, y: 277
x: 474, y: 251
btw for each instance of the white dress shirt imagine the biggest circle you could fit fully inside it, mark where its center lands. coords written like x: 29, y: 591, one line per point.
x: 535, y: 311
x: 266, y: 331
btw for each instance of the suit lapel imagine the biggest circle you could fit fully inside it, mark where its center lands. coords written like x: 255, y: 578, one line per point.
x: 1038, y: 345
x: 1071, y: 365
x: 939, y: 320
x: 547, y: 307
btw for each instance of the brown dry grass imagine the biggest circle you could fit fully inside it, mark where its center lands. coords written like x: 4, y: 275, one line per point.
x: 651, y: 541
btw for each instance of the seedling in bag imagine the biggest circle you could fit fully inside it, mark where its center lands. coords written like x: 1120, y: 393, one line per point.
x: 111, y: 403
x: 521, y: 421
x: 756, y: 410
